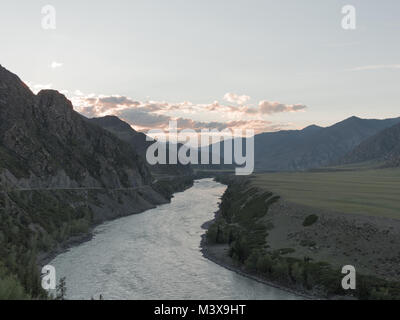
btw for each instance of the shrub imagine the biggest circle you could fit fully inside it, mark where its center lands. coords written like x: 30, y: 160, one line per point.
x: 241, y: 249
x: 264, y: 264
x: 280, y: 271
x: 251, y: 261
x: 298, y: 273
x: 284, y: 251
x: 211, y: 234
x: 310, y: 220
x: 10, y: 286
x: 307, y: 243
x: 380, y: 294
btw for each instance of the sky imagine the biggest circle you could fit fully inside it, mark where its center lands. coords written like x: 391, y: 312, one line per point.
x: 263, y: 65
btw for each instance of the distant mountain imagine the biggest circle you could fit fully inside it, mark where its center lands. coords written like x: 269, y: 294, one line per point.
x: 139, y: 142
x: 383, y: 147
x: 313, y: 146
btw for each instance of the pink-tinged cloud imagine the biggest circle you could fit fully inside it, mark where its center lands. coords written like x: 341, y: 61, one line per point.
x: 235, y: 98
x: 148, y: 115
x: 104, y: 104
x: 266, y: 107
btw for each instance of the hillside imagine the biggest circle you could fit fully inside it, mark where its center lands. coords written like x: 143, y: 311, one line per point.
x: 382, y: 147
x: 313, y: 146
x: 138, y: 141
x: 45, y: 143
x: 60, y: 175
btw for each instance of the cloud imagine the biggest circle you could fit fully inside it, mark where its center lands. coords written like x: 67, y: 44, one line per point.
x: 146, y: 115
x: 55, y: 65
x: 117, y: 100
x: 104, y: 105
x: 101, y: 105
x: 235, y: 98
x: 257, y: 125
x: 376, y: 67
x: 144, y: 119
x: 266, y: 107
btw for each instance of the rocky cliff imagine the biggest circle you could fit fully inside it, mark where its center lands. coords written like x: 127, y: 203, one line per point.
x: 60, y: 175
x: 45, y: 143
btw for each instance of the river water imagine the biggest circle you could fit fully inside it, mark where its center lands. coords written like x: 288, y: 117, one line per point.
x: 156, y: 255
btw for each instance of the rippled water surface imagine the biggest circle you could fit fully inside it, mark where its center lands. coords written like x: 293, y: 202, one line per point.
x: 156, y: 255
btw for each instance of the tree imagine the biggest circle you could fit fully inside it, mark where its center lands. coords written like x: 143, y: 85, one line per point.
x: 61, y: 289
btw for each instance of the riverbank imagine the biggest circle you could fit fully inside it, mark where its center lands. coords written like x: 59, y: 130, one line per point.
x: 166, y: 188
x: 219, y: 255
x: 299, y: 248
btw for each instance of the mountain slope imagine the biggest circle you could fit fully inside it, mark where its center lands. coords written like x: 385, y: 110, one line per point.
x: 313, y: 146
x: 123, y: 131
x: 60, y: 175
x: 45, y: 143
x: 139, y: 142
x: 384, y: 146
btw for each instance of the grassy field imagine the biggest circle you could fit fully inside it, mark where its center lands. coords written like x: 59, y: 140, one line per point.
x: 370, y: 192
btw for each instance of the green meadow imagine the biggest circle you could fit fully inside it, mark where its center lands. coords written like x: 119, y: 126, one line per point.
x: 371, y: 192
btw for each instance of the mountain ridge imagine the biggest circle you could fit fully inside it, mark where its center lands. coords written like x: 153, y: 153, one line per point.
x: 51, y: 144
x: 382, y: 147
x: 140, y: 142
x: 307, y: 149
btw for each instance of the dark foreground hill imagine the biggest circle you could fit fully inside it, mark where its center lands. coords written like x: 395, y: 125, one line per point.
x: 59, y: 176
x: 45, y: 143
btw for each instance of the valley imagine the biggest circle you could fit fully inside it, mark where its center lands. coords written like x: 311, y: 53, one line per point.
x: 320, y: 198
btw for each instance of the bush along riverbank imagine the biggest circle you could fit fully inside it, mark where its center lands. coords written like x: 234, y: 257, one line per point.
x: 238, y: 239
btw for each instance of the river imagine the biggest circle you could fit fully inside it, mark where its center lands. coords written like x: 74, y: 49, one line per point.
x: 156, y: 255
